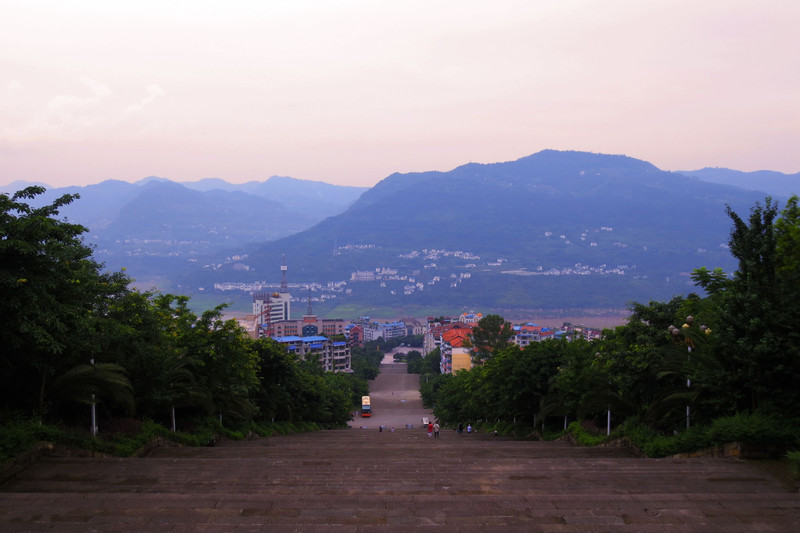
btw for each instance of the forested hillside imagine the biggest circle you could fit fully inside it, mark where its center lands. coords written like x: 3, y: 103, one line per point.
x: 551, y: 230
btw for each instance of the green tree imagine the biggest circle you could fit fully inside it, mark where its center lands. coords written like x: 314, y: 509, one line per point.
x: 432, y: 363
x: 278, y: 375
x: 787, y: 235
x: 414, y: 362
x: 149, y: 347
x: 748, y: 315
x: 365, y: 360
x: 633, y: 354
x: 459, y: 397
x: 690, y: 356
x: 575, y: 379
x: 429, y: 388
x: 495, y: 393
x: 227, y: 361
x: 490, y: 334
x: 92, y: 383
x: 52, y: 301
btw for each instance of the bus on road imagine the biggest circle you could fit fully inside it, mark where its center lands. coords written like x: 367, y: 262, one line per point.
x: 366, y: 409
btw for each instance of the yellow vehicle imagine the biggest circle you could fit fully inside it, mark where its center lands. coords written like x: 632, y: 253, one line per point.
x: 366, y: 408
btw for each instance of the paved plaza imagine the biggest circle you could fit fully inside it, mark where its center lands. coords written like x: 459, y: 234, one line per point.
x: 364, y: 480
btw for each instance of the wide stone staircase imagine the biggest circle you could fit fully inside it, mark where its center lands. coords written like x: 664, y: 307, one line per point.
x: 365, y: 479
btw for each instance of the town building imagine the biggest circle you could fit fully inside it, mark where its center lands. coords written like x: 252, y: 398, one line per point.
x: 455, y: 353
x: 528, y: 333
x: 434, y: 337
x: 376, y: 330
x: 333, y: 356
x: 354, y: 335
x: 388, y: 330
x: 470, y: 318
x: 308, y: 326
x: 272, y: 307
x: 413, y: 326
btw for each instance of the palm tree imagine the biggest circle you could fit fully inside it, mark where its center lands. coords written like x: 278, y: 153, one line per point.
x: 90, y: 383
x: 176, y: 385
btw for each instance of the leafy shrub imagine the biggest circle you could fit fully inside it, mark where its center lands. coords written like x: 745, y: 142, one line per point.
x: 755, y: 428
x: 662, y: 445
x: 639, y: 433
x: 794, y: 460
x: 19, y: 436
x: 263, y: 429
x: 504, y: 428
x: 583, y: 436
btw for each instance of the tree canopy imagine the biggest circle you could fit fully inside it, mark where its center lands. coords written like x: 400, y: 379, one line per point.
x: 491, y: 334
x: 74, y: 334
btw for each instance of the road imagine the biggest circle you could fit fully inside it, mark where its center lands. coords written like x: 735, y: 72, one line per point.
x: 395, y: 400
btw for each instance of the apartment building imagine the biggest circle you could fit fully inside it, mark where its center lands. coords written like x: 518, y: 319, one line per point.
x: 333, y: 356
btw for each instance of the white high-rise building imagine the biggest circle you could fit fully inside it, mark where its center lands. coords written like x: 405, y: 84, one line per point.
x: 275, y: 306
x: 271, y: 307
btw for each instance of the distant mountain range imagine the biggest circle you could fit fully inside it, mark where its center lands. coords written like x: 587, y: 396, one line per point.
x: 551, y: 230
x: 767, y: 181
x: 157, y: 228
x: 554, y: 230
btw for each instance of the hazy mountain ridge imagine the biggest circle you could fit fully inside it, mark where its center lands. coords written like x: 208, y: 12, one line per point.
x: 768, y: 181
x: 155, y: 227
x: 317, y: 198
x: 572, y: 229
x: 553, y: 229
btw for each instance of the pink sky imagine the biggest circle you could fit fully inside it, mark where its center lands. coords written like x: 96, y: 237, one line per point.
x: 349, y: 92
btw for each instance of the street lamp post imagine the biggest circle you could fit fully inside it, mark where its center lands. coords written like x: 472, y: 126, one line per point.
x: 681, y: 337
x: 94, y: 409
x: 608, y: 411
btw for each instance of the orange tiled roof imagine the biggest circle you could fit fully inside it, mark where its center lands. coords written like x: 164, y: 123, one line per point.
x: 456, y: 336
x: 458, y: 342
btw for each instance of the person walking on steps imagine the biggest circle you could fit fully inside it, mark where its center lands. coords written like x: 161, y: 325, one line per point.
x: 460, y: 428
x: 436, y: 430
x: 430, y: 430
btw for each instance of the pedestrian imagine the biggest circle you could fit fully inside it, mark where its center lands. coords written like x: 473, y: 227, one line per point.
x: 460, y: 428
x: 469, y: 428
x: 436, y: 430
x: 430, y: 430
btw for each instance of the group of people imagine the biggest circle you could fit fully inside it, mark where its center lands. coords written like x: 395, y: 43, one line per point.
x: 433, y: 429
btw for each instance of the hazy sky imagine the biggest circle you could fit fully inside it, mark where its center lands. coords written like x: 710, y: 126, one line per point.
x: 350, y: 91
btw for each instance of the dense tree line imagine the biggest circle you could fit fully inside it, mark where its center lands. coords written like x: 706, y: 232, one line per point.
x: 731, y: 351
x: 73, y: 335
x: 426, y: 365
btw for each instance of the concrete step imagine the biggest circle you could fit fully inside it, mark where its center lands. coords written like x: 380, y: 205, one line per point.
x: 361, y: 480
x: 365, y: 480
